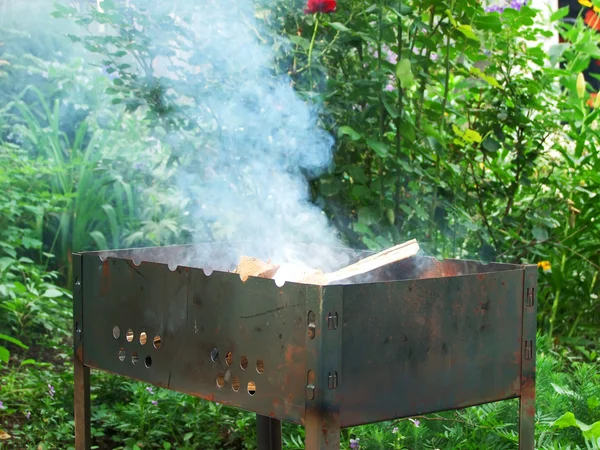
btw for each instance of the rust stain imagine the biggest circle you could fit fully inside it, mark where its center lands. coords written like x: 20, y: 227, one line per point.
x: 105, y: 281
x: 292, y: 352
x: 79, y: 353
x: 325, y: 435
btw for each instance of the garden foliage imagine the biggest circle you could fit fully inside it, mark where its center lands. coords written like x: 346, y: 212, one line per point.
x: 458, y: 124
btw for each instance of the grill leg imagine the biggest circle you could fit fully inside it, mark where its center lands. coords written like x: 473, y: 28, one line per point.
x: 82, y: 406
x: 527, y: 400
x: 268, y: 431
x: 527, y: 417
x: 322, y: 431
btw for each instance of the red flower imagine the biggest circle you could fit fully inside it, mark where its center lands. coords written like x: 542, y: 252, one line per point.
x: 324, y: 6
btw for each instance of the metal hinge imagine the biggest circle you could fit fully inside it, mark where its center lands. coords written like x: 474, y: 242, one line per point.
x: 332, y: 321
x: 528, y: 353
x: 333, y: 380
x: 529, y: 301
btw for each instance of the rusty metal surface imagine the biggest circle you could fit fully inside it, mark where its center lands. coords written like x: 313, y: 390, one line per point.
x: 419, y: 336
x: 268, y: 433
x: 419, y: 346
x: 527, y: 400
x: 81, y: 376
x: 225, y: 256
x: 324, y: 368
x: 263, y: 327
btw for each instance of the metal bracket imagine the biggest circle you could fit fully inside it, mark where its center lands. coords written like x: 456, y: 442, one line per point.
x: 527, y: 399
x: 323, y: 365
x: 530, y: 297
x: 332, y: 321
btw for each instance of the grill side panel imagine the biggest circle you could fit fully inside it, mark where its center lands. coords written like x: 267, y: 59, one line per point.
x: 419, y: 346
x: 217, y: 338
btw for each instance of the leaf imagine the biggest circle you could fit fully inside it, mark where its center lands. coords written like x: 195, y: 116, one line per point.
x: 357, y: 174
x: 489, y: 22
x: 350, y: 132
x: 404, y: 73
x: 561, y: 13
x: 12, y: 340
x: 468, y: 32
x: 378, y: 147
x: 299, y: 40
x: 31, y: 243
x: 5, y: 262
x: 391, y: 109
x: 451, y: 18
x: 368, y: 216
x: 188, y: 436
x: 491, y: 145
x: 340, y: 27
x: 99, y: 239
x: 540, y: 234
x: 4, y: 435
x: 391, y: 216
x: 472, y: 136
x: 4, y: 354
x: 563, y: 391
x: 568, y: 420
x: 52, y: 293
x: 28, y: 362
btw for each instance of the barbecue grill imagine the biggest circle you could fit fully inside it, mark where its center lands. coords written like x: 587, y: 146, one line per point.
x: 417, y: 337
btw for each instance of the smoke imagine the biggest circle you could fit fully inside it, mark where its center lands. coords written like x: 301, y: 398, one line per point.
x: 251, y: 145
x: 261, y: 143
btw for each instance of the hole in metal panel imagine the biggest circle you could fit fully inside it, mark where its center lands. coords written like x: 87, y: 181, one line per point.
x: 229, y: 358
x: 260, y: 366
x: 135, y: 358
x: 244, y: 362
x: 143, y: 338
x: 311, y: 324
x: 251, y: 388
x: 235, y: 384
x: 148, y: 361
x: 157, y: 341
x: 116, y: 332
x: 122, y: 354
x: 310, y: 377
x: 220, y: 380
x: 129, y: 335
x: 214, y: 354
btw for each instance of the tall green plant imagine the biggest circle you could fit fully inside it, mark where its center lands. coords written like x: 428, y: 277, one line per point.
x: 90, y: 196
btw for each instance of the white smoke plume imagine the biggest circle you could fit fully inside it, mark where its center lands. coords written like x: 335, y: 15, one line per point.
x: 262, y: 143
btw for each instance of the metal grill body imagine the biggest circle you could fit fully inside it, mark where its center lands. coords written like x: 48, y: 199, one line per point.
x: 419, y: 337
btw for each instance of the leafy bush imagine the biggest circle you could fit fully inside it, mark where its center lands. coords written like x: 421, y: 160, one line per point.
x: 455, y: 125
x: 37, y: 397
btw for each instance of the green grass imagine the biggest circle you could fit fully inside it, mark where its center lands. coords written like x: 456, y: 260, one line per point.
x: 124, y: 415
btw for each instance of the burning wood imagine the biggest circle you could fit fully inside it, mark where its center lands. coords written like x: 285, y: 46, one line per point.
x: 253, y: 267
